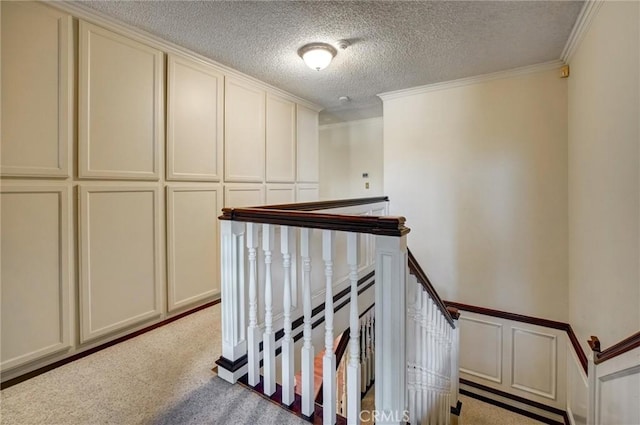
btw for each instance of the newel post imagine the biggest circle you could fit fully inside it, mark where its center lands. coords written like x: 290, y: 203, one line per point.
x: 592, y: 380
x: 390, y: 359
x: 233, y: 362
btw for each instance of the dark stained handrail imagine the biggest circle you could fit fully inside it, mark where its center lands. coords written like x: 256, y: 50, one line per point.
x: 423, y: 279
x: 615, y: 350
x: 376, y: 225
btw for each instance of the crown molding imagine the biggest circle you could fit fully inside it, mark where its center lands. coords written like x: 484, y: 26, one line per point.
x: 510, y: 73
x: 587, y: 13
x: 81, y: 11
x: 348, y: 123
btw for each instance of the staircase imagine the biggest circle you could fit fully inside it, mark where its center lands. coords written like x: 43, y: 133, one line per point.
x: 294, y: 276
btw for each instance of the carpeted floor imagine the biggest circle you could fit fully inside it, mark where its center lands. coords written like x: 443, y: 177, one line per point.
x: 161, y: 377
x: 164, y: 378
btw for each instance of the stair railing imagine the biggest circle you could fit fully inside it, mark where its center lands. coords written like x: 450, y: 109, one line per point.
x: 432, y: 351
x: 267, y: 251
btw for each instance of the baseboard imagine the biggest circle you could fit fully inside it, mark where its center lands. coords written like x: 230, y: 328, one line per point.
x: 538, y: 411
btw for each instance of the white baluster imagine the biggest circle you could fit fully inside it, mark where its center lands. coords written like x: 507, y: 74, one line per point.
x: 363, y: 354
x: 424, y: 361
x: 269, y: 340
x: 353, y: 377
x: 253, y: 332
x: 308, y: 396
x: 419, y: 349
x: 329, y: 359
x: 288, y: 375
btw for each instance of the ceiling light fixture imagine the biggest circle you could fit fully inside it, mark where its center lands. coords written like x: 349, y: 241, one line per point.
x: 317, y: 55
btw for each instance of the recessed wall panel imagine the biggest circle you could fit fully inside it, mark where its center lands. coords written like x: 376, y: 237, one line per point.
x: 281, y: 140
x: 120, y: 106
x: 243, y: 195
x: 119, y: 258
x: 244, y: 142
x: 194, y: 120
x: 280, y: 194
x: 308, y: 148
x: 192, y: 244
x: 307, y: 193
x: 485, y: 363
x: 534, y: 362
x: 35, y: 273
x: 37, y: 90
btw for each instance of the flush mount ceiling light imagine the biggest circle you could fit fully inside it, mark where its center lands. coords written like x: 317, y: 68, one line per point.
x: 317, y: 55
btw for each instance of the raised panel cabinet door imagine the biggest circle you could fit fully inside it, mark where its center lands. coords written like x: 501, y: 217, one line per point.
x: 281, y: 194
x: 35, y: 273
x: 119, y: 258
x: 307, y: 193
x: 281, y: 140
x: 37, y: 90
x: 194, y: 120
x: 243, y: 195
x: 244, y: 141
x: 308, y: 151
x: 120, y: 106
x: 192, y: 244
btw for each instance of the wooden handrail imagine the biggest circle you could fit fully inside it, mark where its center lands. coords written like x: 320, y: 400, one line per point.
x: 615, y: 350
x: 417, y: 271
x: 326, y: 205
x: 376, y: 225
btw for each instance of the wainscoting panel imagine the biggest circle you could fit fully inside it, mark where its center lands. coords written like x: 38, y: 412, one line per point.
x: 308, y: 147
x: 192, y: 244
x: 485, y: 364
x: 35, y: 272
x: 281, y: 140
x: 618, y: 390
x: 244, y: 142
x: 532, y: 359
x: 307, y: 192
x: 243, y: 195
x: 280, y: 193
x: 194, y: 120
x: 534, y: 364
x: 119, y: 258
x: 37, y: 113
x: 119, y: 133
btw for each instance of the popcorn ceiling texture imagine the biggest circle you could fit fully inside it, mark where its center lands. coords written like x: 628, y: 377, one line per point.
x: 394, y: 45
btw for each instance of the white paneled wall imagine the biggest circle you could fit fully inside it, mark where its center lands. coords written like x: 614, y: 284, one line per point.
x: 119, y: 257
x: 244, y: 132
x: 195, y: 113
x: 42, y: 43
x: 102, y: 234
x: 120, y: 120
x: 35, y: 272
x: 527, y: 360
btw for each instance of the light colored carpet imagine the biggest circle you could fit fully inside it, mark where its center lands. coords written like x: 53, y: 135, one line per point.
x: 161, y: 378
x: 164, y: 378
x: 476, y: 412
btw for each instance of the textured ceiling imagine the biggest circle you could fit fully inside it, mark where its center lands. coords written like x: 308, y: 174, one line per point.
x: 394, y: 45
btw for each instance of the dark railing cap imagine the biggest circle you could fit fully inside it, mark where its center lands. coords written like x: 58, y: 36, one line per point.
x: 376, y: 225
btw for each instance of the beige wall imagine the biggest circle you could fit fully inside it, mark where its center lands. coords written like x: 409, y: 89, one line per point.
x: 480, y: 172
x: 604, y: 112
x: 346, y: 151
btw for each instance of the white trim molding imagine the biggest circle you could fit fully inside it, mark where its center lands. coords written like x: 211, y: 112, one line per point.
x: 499, y: 75
x: 580, y: 28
